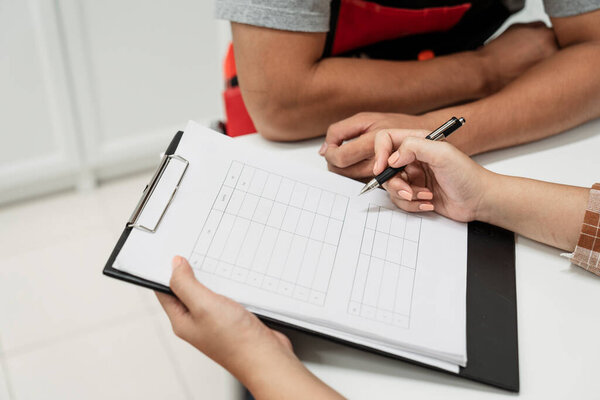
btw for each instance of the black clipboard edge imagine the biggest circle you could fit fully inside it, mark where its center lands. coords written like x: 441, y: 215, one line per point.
x: 482, y: 334
x: 124, y: 276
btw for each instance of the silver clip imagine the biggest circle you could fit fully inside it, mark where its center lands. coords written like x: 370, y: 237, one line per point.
x: 139, y: 208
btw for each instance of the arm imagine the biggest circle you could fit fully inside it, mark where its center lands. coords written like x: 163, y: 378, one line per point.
x: 449, y: 182
x: 547, y: 212
x: 291, y: 93
x: 556, y: 94
x: 559, y: 93
x: 260, y: 358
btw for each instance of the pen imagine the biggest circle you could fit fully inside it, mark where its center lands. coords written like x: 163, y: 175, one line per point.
x: 440, y: 133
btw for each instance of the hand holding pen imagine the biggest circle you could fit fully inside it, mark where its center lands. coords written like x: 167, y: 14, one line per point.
x: 438, y: 177
x: 439, y: 134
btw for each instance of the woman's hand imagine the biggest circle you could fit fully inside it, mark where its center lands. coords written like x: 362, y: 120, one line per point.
x: 349, y: 143
x: 261, y: 358
x: 437, y: 175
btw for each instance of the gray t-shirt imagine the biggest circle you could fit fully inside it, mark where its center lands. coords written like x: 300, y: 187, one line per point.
x: 313, y: 15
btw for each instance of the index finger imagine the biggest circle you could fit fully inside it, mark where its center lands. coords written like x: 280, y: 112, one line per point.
x: 351, y: 152
x: 389, y: 139
x: 348, y: 128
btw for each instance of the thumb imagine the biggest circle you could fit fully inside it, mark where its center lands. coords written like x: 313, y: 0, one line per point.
x: 194, y: 295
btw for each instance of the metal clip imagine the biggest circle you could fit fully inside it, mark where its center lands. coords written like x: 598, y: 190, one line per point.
x: 139, y: 208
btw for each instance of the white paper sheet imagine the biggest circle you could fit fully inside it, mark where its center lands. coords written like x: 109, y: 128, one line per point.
x: 299, y: 244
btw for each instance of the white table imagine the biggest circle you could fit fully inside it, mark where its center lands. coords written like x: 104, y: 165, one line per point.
x: 558, y: 304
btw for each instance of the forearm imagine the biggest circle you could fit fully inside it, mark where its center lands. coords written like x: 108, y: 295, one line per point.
x: 546, y: 212
x: 284, y: 376
x: 336, y: 88
x: 557, y: 94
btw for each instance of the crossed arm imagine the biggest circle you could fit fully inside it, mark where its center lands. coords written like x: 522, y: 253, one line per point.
x: 558, y: 93
x: 292, y: 93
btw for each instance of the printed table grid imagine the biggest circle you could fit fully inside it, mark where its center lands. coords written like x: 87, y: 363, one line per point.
x: 383, y: 282
x: 273, y: 233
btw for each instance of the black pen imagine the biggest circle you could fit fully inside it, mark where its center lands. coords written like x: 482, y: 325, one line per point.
x: 440, y: 133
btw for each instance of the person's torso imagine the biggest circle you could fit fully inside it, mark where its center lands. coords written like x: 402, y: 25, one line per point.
x: 401, y: 29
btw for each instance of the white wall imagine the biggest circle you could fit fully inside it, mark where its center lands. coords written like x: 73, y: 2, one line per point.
x: 95, y: 89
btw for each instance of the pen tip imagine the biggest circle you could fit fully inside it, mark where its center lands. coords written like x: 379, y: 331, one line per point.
x: 462, y: 120
x: 372, y: 184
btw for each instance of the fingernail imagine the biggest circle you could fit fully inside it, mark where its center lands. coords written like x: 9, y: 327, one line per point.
x: 323, y: 148
x: 393, y: 158
x: 177, y: 260
x: 425, y: 195
x: 376, y: 167
x: 405, y: 195
x: 426, y: 207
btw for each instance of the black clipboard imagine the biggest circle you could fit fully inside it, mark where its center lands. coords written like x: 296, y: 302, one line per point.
x: 492, y: 340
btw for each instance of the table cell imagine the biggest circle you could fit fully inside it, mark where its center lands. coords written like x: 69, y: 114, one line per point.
x: 272, y: 186
x: 319, y: 227
x: 236, y: 201
x: 264, y: 249
x: 413, y: 228
x: 263, y: 209
x: 223, y: 198
x: 387, y: 295
x: 398, y: 225
x: 208, y: 232
x: 290, y: 219
x: 235, y: 170
x: 334, y: 230
x: 360, y: 278
x: 380, y: 245
x: 294, y: 259
x: 309, y: 263
x: 373, y: 285
x: 243, y: 182
x: 339, y: 207
x: 305, y: 223
x: 367, y: 241
x: 324, y: 268
x: 385, y: 219
x: 248, y: 206
x: 404, y: 291
x: 249, y: 245
x: 311, y: 202
x: 298, y: 195
x: 372, y: 216
x: 235, y: 240
x: 258, y: 182
x: 220, y: 239
x: 284, y: 194
x: 239, y: 274
x: 280, y: 254
x: 326, y: 203
x: 276, y: 215
x: 409, y: 253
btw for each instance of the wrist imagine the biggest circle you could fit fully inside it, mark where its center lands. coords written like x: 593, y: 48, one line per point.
x: 492, y: 194
x: 261, y: 365
x: 488, y: 72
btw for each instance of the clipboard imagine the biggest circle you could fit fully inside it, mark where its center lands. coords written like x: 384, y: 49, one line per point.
x: 492, y: 338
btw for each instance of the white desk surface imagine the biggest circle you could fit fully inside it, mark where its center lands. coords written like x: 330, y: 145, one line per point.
x: 558, y: 304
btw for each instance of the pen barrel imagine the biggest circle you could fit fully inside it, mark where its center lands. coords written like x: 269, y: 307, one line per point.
x: 445, y: 130
x: 387, y: 174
